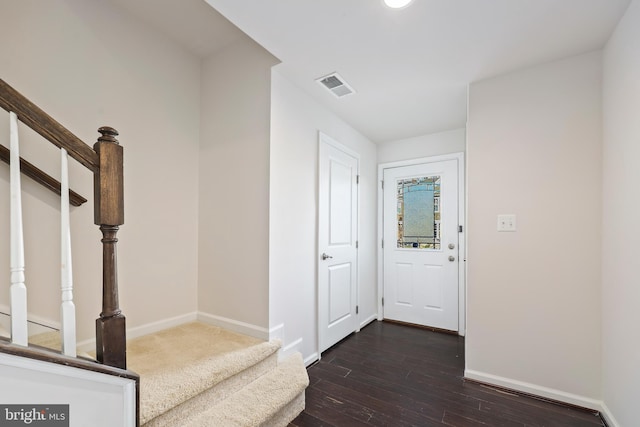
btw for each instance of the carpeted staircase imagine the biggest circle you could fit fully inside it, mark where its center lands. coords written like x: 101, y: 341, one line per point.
x: 201, y: 375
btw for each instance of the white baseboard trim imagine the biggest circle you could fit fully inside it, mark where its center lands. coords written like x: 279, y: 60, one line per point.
x: 534, y: 389
x: 152, y: 327
x: 310, y: 359
x: 49, y: 323
x: 235, y: 325
x: 277, y: 333
x: 368, y: 320
x: 142, y: 330
x: 289, y: 349
x: 149, y: 328
x: 605, y: 412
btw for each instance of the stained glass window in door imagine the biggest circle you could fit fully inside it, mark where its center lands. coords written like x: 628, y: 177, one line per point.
x: 419, y: 212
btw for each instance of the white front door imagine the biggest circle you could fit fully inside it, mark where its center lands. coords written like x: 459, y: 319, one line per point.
x: 421, y: 244
x: 337, y: 242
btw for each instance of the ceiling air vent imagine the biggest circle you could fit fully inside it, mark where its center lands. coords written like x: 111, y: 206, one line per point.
x: 336, y: 85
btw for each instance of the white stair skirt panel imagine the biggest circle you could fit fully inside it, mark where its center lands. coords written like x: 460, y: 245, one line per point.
x: 87, y: 393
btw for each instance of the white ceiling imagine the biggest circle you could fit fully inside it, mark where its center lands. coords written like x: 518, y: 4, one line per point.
x: 409, y: 67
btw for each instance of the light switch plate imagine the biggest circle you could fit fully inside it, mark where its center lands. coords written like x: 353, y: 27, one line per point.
x: 507, y: 222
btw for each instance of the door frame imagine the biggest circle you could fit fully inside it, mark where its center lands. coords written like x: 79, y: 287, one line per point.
x: 325, y: 138
x: 462, y: 196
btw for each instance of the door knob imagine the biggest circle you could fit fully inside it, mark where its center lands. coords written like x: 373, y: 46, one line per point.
x: 451, y: 246
x: 452, y: 258
x: 325, y: 256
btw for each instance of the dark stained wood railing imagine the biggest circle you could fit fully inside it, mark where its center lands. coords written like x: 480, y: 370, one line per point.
x: 42, y: 177
x: 108, y: 192
x: 32, y: 116
x: 105, y: 160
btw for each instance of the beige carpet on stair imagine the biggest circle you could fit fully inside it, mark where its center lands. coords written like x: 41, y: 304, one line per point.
x: 49, y: 339
x: 52, y: 340
x: 179, y: 363
x: 273, y: 400
x: 182, y: 368
x: 182, y: 345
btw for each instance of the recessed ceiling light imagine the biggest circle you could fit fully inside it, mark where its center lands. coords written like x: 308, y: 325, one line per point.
x: 397, y: 4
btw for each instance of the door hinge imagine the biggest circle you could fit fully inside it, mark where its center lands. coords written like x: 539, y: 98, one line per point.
x: 357, y: 179
x: 383, y: 301
x: 382, y: 243
x: 382, y: 183
x: 357, y: 309
x: 356, y: 244
x: 459, y: 229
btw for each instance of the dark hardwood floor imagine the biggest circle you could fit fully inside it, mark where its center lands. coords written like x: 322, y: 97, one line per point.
x: 395, y: 375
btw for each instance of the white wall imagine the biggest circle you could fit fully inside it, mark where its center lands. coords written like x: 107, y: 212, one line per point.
x: 233, y: 267
x: 89, y: 65
x: 621, y: 231
x: 296, y: 120
x: 435, y: 144
x: 534, y: 150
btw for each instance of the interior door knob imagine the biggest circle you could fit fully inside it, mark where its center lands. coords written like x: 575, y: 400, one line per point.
x: 452, y: 258
x: 325, y: 256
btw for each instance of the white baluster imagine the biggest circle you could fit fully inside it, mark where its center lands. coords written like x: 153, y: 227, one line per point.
x: 67, y: 308
x: 19, y: 330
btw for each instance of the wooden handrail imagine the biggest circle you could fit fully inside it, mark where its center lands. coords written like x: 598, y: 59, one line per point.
x: 48, y: 355
x: 105, y: 161
x: 31, y: 115
x: 41, y: 177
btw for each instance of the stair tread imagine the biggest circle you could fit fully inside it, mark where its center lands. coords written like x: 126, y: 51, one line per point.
x: 179, y: 363
x: 183, y: 345
x: 257, y: 402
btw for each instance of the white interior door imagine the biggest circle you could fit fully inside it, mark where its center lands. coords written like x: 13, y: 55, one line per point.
x: 337, y: 248
x: 421, y: 244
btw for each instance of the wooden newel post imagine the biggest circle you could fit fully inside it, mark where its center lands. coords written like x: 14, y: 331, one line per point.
x: 109, y: 215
